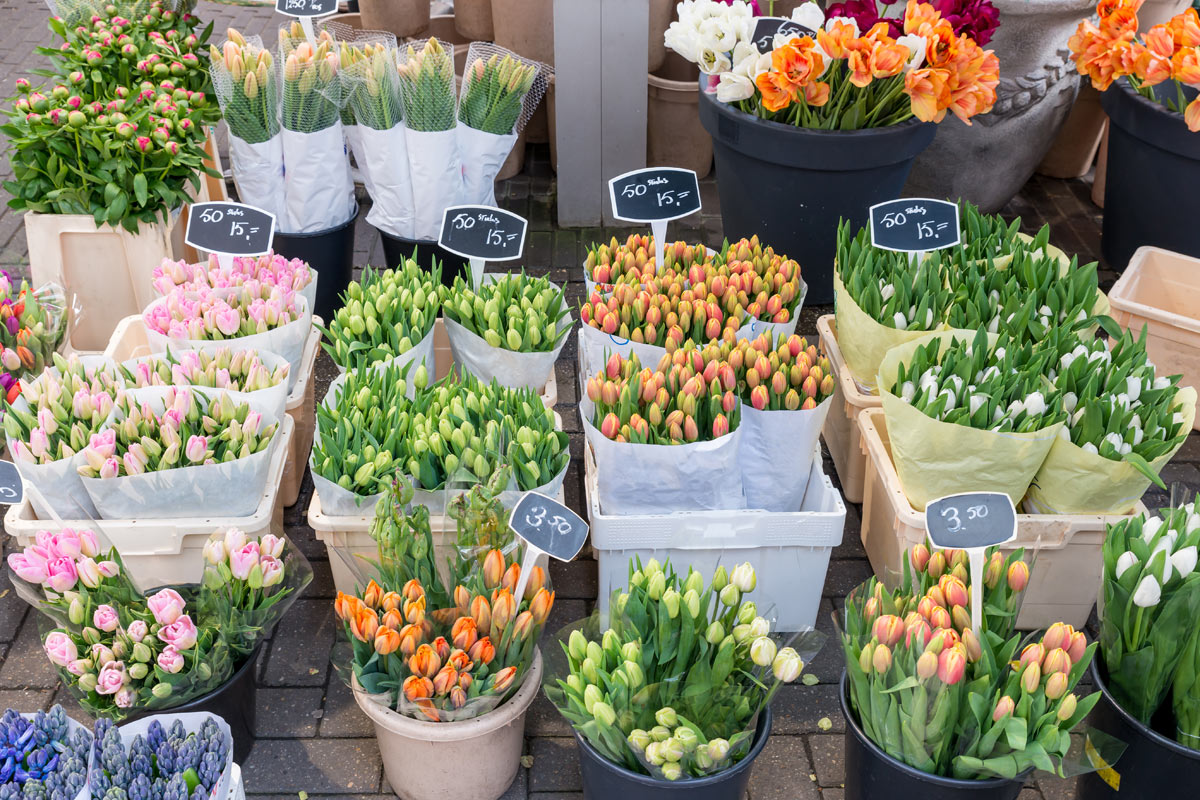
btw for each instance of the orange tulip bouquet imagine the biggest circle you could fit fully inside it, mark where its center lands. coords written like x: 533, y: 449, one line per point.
x: 930, y: 691
x: 444, y: 650
x: 840, y: 78
x: 1160, y: 64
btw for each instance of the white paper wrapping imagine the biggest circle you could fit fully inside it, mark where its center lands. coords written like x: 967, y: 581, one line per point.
x: 383, y: 157
x: 318, y: 190
x: 421, y: 351
x: 286, y: 340
x: 353, y: 137
x: 339, y: 502
x: 482, y: 154
x: 59, y: 485
x: 509, y: 368
x: 192, y: 721
x: 776, y: 454
x: 435, y: 499
x: 272, y: 399
x: 660, y: 479
x: 436, y: 174
x: 72, y: 725
x: 258, y: 173
x: 595, y: 346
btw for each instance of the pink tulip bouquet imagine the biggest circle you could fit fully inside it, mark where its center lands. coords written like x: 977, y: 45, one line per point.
x: 246, y: 373
x: 119, y: 651
x: 215, y: 315
x: 934, y: 693
x: 270, y: 269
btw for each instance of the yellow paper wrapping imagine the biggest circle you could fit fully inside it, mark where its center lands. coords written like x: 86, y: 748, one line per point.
x: 1074, y: 481
x: 935, y: 458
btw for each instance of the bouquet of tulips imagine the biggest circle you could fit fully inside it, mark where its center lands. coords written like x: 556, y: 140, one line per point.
x: 754, y: 281
x: 269, y: 270
x: 1160, y: 65
x: 511, y: 328
x: 244, y: 374
x: 426, y: 74
x: 246, y: 82
x: 317, y: 187
x: 675, y: 684
x: 167, y: 458
x: 933, y: 692
x: 434, y: 652
x: 1149, y: 615
x: 968, y: 412
x: 387, y: 316
x: 841, y: 78
x: 190, y: 760
x: 1124, y: 424
x: 49, y: 425
x: 45, y: 755
x: 632, y: 261
x: 678, y: 421
x: 34, y: 325
x: 500, y: 91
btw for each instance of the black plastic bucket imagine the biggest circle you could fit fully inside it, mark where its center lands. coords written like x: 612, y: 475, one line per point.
x: 872, y: 774
x: 604, y: 780
x: 791, y: 185
x: 397, y: 250
x: 1153, y: 172
x: 1153, y: 765
x: 331, y: 253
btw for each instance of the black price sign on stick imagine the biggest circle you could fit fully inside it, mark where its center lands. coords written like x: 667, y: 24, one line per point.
x: 12, y: 490
x: 229, y: 229
x: 306, y: 8
x: 483, y: 232
x: 547, y: 526
x: 915, y: 225
x: 766, y: 28
x: 658, y: 194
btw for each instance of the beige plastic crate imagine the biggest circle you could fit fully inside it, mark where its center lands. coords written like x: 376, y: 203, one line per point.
x: 841, y: 425
x: 1065, y: 578
x: 129, y: 341
x: 1161, y: 290
x: 163, y: 551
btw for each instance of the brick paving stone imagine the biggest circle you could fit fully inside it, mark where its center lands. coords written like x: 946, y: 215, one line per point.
x: 321, y: 766
x: 844, y: 575
x: 1057, y: 788
x: 833, y: 794
x: 828, y: 758
x: 798, y: 708
x: 342, y: 717
x: 519, y: 788
x: 26, y: 700
x: 555, y: 766
x: 25, y: 664
x: 577, y: 578
x: 287, y: 713
x: 1030, y: 793
x: 12, y: 608
x: 300, y: 651
x: 543, y: 719
x: 556, y: 796
x: 782, y: 771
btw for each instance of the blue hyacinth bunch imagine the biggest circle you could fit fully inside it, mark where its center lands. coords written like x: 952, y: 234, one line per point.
x: 40, y: 758
x: 163, y: 764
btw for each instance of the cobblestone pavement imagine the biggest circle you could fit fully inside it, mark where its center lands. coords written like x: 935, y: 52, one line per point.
x: 311, y: 736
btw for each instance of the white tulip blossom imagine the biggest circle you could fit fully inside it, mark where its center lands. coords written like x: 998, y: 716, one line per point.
x: 1148, y: 593
x: 1184, y: 560
x: 1125, y: 561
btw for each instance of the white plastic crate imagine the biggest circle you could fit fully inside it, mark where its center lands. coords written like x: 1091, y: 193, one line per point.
x: 167, y: 551
x: 789, y: 550
x: 841, y: 430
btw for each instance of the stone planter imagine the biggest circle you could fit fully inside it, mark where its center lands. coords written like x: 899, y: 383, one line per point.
x: 990, y: 160
x: 674, y: 135
x: 526, y: 27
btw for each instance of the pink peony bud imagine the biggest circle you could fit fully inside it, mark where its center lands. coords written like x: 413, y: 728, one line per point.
x: 181, y: 633
x: 60, y: 648
x: 166, y: 605
x: 170, y: 659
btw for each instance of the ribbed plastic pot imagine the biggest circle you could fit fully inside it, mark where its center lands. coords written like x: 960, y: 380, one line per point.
x: 396, y: 250
x: 791, y: 185
x: 331, y: 253
x: 234, y: 702
x: 475, y: 759
x: 604, y: 780
x: 872, y: 773
x: 1152, y: 765
x: 1153, y: 159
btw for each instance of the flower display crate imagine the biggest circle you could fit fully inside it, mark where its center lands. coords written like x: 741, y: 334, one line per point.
x: 789, y: 551
x: 1067, y: 547
x: 1160, y: 290
x: 167, y: 551
x: 129, y: 341
x: 841, y: 430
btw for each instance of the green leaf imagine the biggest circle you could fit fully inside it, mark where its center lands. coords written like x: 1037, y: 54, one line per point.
x: 140, y: 190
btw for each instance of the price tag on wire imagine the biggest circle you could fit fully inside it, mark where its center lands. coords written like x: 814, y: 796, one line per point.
x: 482, y: 233
x: 656, y: 195
x: 972, y: 521
x: 305, y: 10
x: 766, y: 28
x: 229, y: 229
x: 547, y: 526
x: 915, y: 225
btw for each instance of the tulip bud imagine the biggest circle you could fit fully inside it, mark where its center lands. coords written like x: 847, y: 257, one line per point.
x: 1018, y: 576
x: 1057, y: 685
x: 762, y: 651
x: 1004, y: 707
x: 715, y: 633
x: 927, y: 666
x: 720, y: 579
x: 881, y: 659
x: 639, y: 740
x: 1066, y: 709
x: 671, y: 599
x: 730, y: 596
x: 1031, y: 678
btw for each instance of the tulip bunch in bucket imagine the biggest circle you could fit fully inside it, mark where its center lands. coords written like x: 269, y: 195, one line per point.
x: 270, y: 269
x: 62, y: 409
x: 222, y: 368
x: 661, y: 312
x: 514, y: 312
x: 385, y: 315
x: 1149, y: 618
x: 42, y: 756
x: 33, y: 324
x: 753, y: 281
x: 218, y: 314
x: 173, y: 763
x: 949, y: 699
x: 632, y: 261
x: 673, y: 687
x: 778, y: 374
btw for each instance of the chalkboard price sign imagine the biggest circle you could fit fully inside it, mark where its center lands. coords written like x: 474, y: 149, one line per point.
x: 12, y: 491
x: 230, y: 229
x: 766, y: 28
x: 915, y: 225
x: 657, y: 194
x: 306, y: 8
x: 973, y: 519
x: 483, y: 232
x: 548, y: 526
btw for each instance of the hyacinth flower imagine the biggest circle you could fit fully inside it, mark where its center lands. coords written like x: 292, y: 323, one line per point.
x: 516, y: 312
x: 41, y: 757
x: 216, y: 314
x: 191, y: 431
x: 223, y: 368
x: 64, y: 411
x: 171, y: 763
x: 632, y: 261
x: 270, y: 269
x: 690, y: 396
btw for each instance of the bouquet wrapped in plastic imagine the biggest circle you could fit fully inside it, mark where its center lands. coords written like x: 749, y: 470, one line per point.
x: 33, y: 325
x: 426, y: 74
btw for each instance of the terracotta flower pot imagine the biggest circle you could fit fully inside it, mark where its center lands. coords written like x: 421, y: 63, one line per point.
x: 674, y: 135
x: 444, y: 28
x: 526, y: 27
x: 1074, y: 150
x: 660, y: 18
x: 473, y: 19
x: 405, y: 18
